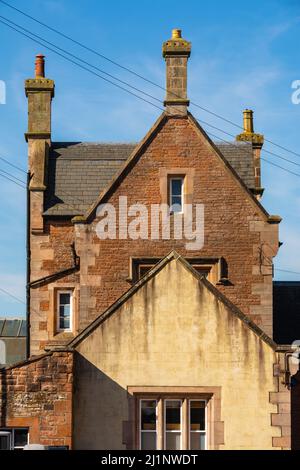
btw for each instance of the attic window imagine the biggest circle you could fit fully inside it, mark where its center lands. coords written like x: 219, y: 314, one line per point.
x: 176, y: 194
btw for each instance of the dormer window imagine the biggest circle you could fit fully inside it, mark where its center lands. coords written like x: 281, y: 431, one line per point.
x: 176, y: 194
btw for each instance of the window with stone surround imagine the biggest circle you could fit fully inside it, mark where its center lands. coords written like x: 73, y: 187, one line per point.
x: 64, y: 310
x: 176, y: 194
x: 165, y: 417
x: 172, y: 423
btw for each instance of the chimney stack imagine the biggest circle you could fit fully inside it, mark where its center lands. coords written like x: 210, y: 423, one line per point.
x: 39, y: 91
x: 257, y: 141
x: 176, y: 52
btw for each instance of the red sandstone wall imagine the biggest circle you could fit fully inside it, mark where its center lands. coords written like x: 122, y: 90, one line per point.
x: 38, y: 395
x: 235, y: 229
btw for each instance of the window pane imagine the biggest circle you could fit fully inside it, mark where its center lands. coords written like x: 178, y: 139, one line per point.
x: 197, y: 415
x: 21, y: 437
x: 176, y: 205
x: 64, y: 299
x: 197, y: 441
x: 64, y: 323
x: 201, y: 270
x: 173, y: 440
x: 4, y: 442
x: 144, y: 268
x: 64, y: 311
x: 176, y: 200
x: 176, y: 187
x: 148, y: 440
x: 173, y: 415
x: 148, y: 415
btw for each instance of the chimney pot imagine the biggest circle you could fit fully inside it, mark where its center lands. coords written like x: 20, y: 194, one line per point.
x: 40, y: 66
x: 248, y: 121
x: 176, y: 33
x: 257, y: 140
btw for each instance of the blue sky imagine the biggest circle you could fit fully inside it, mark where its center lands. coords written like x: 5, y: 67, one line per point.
x: 243, y: 55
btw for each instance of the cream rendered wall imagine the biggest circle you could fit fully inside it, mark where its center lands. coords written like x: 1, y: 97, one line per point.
x: 174, y: 332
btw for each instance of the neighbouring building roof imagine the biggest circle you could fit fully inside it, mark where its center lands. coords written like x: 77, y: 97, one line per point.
x: 286, y: 311
x: 12, y: 341
x: 12, y: 327
x: 79, y: 171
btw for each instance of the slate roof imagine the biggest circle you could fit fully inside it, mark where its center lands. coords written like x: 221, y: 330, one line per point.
x: 286, y: 311
x: 79, y: 171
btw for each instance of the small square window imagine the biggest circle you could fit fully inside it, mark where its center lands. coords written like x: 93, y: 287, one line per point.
x: 64, y: 310
x: 176, y: 194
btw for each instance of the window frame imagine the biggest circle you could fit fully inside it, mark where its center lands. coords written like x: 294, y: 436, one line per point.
x: 171, y: 178
x: 164, y: 424
x: 140, y: 420
x: 161, y: 430
x: 58, y: 293
x: 11, y: 433
x: 205, y: 422
x: 215, y: 267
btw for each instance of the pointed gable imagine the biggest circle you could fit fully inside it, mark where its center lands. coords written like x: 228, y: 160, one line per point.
x: 172, y: 331
x: 182, y: 282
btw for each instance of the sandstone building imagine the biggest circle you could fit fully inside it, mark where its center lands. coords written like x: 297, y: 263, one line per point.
x: 140, y: 342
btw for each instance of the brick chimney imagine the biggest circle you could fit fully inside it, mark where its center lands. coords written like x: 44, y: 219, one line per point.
x: 39, y: 91
x: 176, y: 52
x: 257, y: 141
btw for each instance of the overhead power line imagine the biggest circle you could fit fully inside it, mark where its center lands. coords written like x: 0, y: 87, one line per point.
x: 11, y: 164
x: 264, y: 159
x: 12, y: 296
x: 139, y: 97
x: 287, y: 271
x: 12, y: 180
x: 127, y: 69
x: 115, y: 84
x: 76, y: 63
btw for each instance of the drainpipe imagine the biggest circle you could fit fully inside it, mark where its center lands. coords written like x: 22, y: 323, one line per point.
x: 28, y: 268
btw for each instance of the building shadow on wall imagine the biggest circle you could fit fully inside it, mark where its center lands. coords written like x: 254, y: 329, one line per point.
x: 103, y: 411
